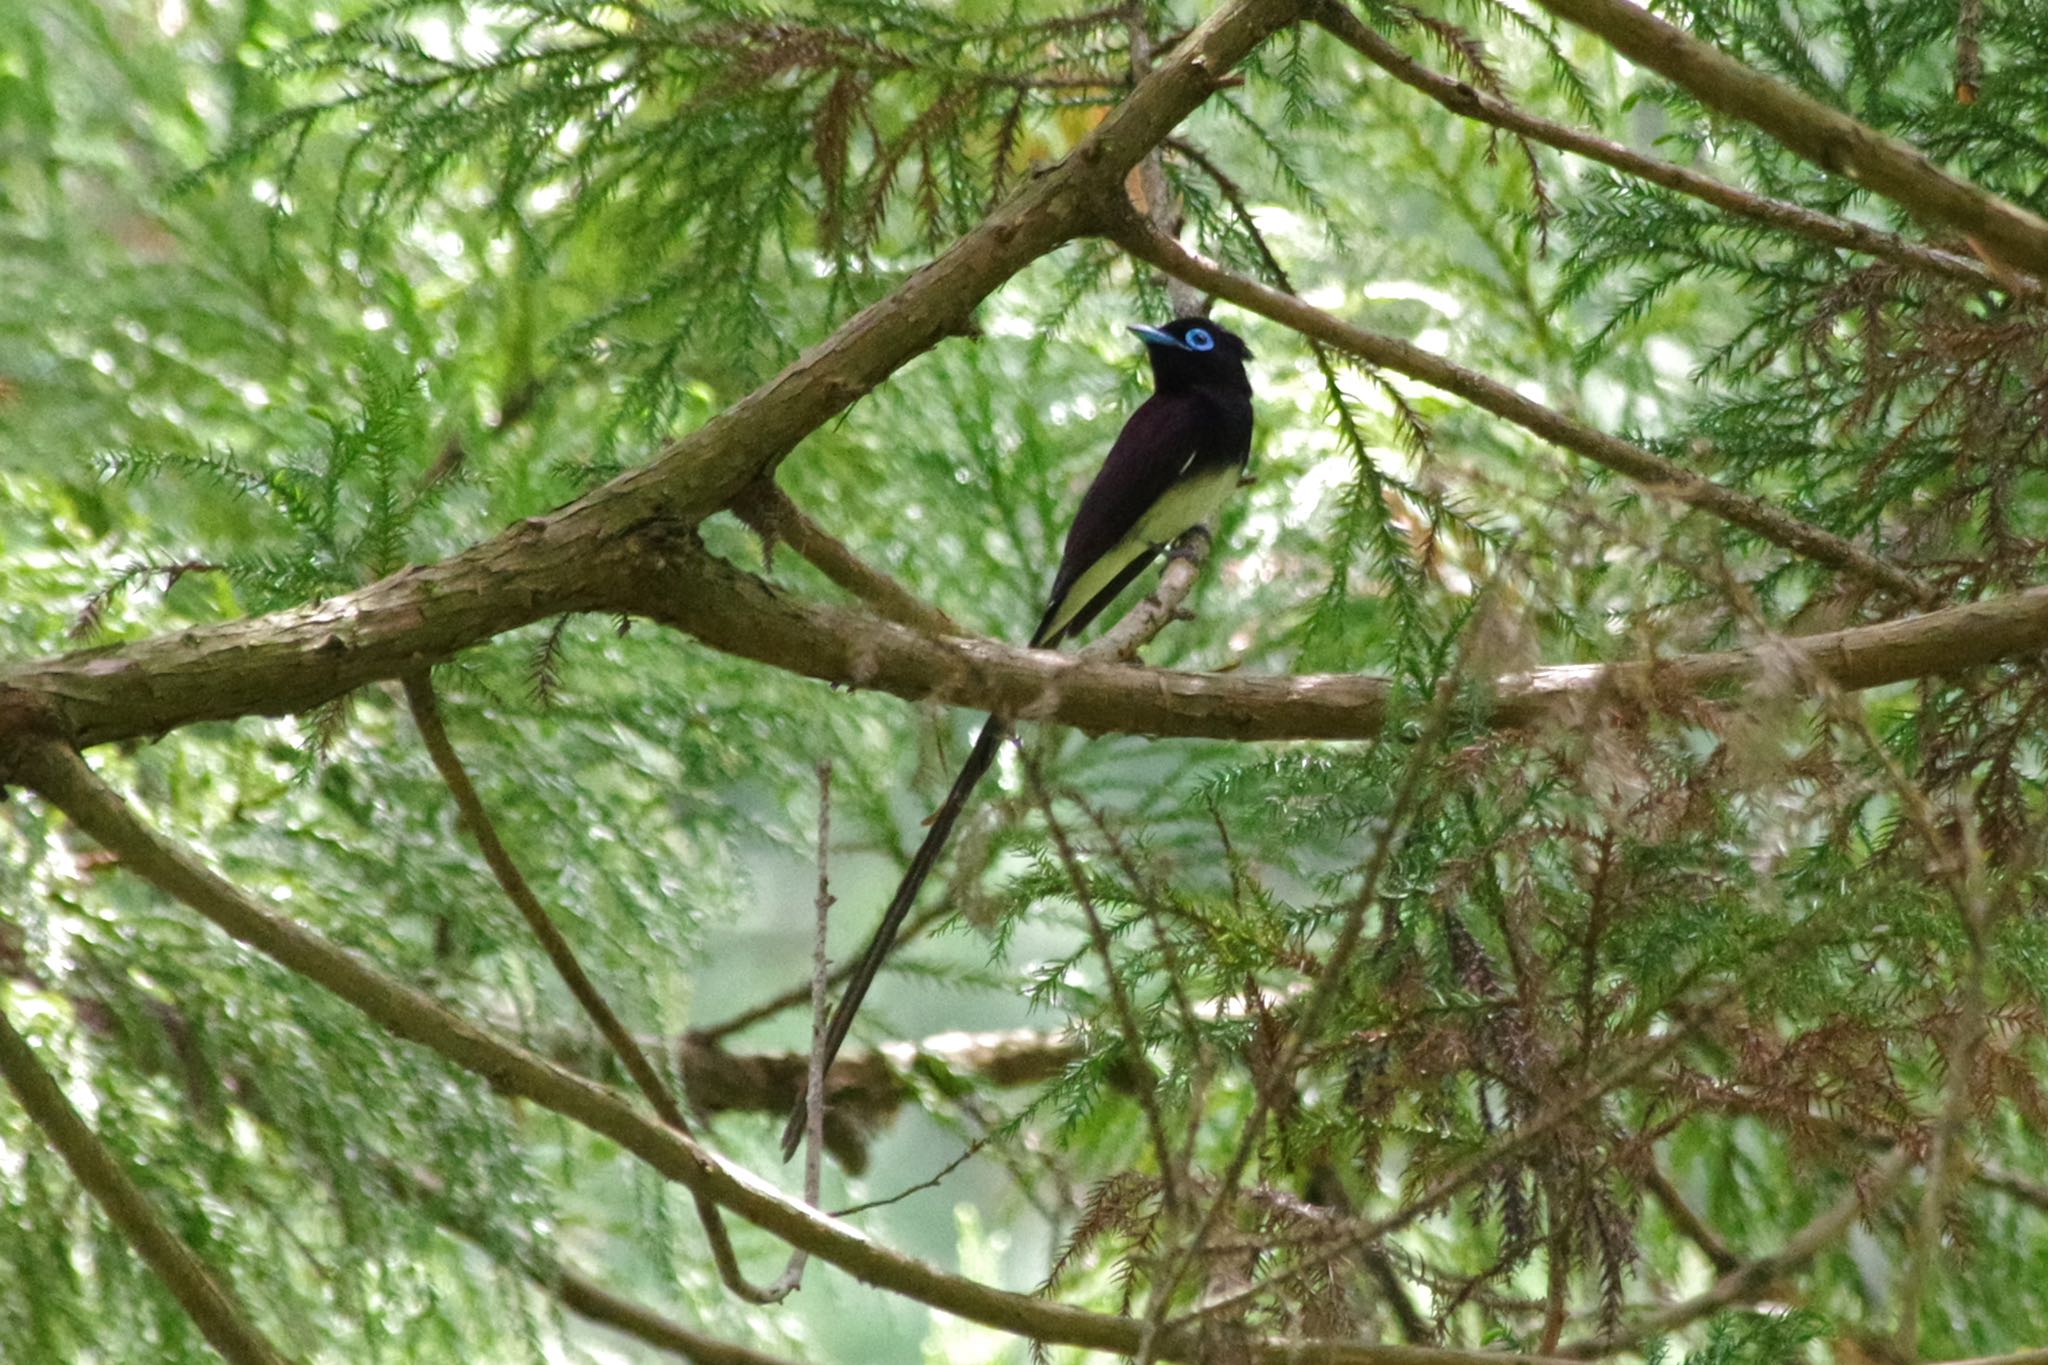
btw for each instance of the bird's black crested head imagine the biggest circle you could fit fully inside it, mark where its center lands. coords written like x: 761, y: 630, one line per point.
x: 1196, y: 353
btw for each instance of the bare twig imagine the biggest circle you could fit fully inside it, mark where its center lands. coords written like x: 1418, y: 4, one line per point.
x: 821, y: 970
x: 220, y: 1319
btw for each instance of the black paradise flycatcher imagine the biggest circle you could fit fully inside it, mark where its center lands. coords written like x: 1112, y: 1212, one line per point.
x: 1173, y: 465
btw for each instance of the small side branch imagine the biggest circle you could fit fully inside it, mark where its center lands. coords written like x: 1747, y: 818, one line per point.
x: 1687, y: 1220
x: 1137, y: 627
x: 223, y: 1321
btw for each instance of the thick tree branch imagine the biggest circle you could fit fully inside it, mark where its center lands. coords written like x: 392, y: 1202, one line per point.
x: 1653, y: 471
x: 213, y: 1310
x: 33, y: 754
x: 738, y: 614
x: 562, y: 562
x: 743, y: 616
x: 1464, y: 100
x: 1829, y: 138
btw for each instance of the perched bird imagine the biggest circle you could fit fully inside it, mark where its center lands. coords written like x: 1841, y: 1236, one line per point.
x: 1177, y: 459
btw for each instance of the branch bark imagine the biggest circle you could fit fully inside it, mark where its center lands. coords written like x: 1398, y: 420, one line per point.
x: 740, y: 615
x: 1830, y: 139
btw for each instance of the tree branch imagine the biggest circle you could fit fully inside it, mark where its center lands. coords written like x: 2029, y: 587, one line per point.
x: 213, y: 1310
x: 738, y: 614
x: 1655, y: 472
x: 1464, y: 100
x: 563, y: 562
x: 34, y: 754
x: 1687, y: 1220
x: 1830, y: 139
x: 426, y: 715
x: 778, y: 520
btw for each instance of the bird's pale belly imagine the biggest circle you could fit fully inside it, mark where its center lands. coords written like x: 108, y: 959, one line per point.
x: 1189, y: 503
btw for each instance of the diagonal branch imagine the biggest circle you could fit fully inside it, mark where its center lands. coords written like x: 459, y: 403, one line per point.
x: 777, y: 519
x: 1654, y: 471
x: 1829, y: 138
x: 426, y: 715
x: 33, y: 754
x: 1159, y: 608
x: 1462, y: 99
x: 562, y: 562
x: 1687, y: 1219
x: 213, y: 1310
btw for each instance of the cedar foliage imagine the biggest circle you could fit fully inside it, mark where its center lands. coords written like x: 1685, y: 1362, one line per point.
x: 297, y: 297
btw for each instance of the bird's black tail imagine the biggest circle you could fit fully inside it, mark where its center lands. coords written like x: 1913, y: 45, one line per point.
x: 993, y: 731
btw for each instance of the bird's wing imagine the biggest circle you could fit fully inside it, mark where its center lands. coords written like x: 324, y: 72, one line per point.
x: 1159, y: 443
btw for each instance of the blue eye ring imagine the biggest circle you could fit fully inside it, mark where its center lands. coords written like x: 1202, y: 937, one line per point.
x: 1198, y: 339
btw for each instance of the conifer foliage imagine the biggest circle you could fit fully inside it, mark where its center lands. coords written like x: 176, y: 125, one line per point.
x: 507, y: 517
